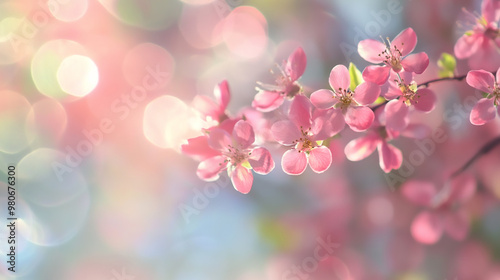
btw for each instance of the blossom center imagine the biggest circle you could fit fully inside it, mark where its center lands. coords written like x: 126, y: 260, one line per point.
x: 409, y: 93
x: 236, y: 156
x: 392, y: 56
x: 492, y: 33
x: 304, y: 143
x: 345, y: 97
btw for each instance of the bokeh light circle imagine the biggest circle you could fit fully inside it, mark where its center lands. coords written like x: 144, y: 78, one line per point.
x: 14, y: 109
x: 46, y: 122
x: 46, y: 62
x: 78, y: 75
x: 69, y: 10
x: 167, y: 122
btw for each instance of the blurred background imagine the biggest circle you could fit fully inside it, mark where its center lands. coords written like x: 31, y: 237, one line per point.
x: 95, y: 101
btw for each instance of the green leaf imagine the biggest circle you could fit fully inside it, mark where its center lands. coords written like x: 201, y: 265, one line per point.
x: 355, y: 75
x: 447, y: 64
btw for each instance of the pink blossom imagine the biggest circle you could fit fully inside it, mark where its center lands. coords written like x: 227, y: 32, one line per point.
x: 444, y: 212
x: 352, y: 104
x: 237, y: 156
x: 484, y: 110
x: 214, y: 110
x: 271, y: 97
x: 305, y: 130
x: 404, y: 93
x: 394, y: 55
x: 481, y: 44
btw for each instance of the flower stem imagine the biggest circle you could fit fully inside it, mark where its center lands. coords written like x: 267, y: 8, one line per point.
x: 484, y: 150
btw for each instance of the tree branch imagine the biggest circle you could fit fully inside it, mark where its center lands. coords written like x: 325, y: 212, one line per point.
x: 484, y: 150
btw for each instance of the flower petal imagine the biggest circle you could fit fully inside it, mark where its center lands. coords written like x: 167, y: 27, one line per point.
x: 376, y: 74
x: 396, y: 113
x: 419, y: 192
x: 481, y: 80
x: 463, y: 188
x: 427, y: 227
x: 416, y: 63
x: 261, y: 161
x: 327, y: 123
x: 339, y: 78
x: 425, y: 101
x: 370, y: 50
x: 198, y: 148
x: 294, y: 162
x: 243, y: 134
x: 359, y: 118
x: 362, y: 147
x: 405, y: 41
x: 467, y: 45
x: 482, y: 112
x: 285, y: 132
x: 296, y: 64
x: 301, y: 111
x: 320, y: 159
x: 323, y: 99
x: 219, y: 139
x: 266, y: 101
x: 366, y: 93
x: 242, y: 179
x: 222, y: 95
x: 207, y: 107
x: 209, y: 169
x: 491, y: 10
x: 390, y: 157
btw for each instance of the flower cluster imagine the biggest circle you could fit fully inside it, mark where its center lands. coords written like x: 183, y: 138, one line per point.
x: 378, y: 102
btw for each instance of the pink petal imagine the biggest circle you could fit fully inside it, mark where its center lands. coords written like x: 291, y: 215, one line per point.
x: 296, y: 64
x: 243, y: 134
x: 285, y: 132
x: 301, y: 111
x: 219, y: 139
x: 359, y: 118
x: 323, y: 99
x: 482, y: 112
x: 370, y: 50
x: 481, y: 80
x: 294, y: 162
x: 327, y: 123
x: 376, y: 74
x: 222, y: 95
x: 396, y: 113
x: 463, y: 188
x: 261, y: 161
x: 427, y: 227
x: 362, y: 147
x: 491, y: 10
x: 405, y: 41
x: 467, y: 45
x: 198, y: 148
x: 242, y: 179
x: 320, y: 159
x: 416, y: 63
x: 487, y: 57
x: 498, y: 76
x: 207, y: 107
x: 366, y: 93
x: 339, y: 78
x: 457, y: 224
x: 266, y: 101
x: 419, y: 192
x: 390, y: 157
x: 426, y: 100
x: 209, y: 169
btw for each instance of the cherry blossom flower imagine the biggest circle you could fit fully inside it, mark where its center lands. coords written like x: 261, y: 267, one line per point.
x: 394, y: 55
x: 481, y: 44
x: 271, y: 97
x: 484, y: 110
x: 214, y: 110
x: 403, y: 93
x: 237, y: 156
x: 351, y: 103
x: 377, y: 137
x: 444, y: 212
x: 305, y: 130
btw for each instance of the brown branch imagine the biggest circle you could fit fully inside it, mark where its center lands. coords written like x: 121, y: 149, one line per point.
x: 483, y: 151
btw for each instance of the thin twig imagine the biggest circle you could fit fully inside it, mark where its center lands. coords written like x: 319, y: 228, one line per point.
x: 484, y: 150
